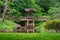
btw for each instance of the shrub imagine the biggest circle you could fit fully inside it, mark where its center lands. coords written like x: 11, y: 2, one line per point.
x: 41, y: 28
x: 7, y: 25
x: 53, y: 24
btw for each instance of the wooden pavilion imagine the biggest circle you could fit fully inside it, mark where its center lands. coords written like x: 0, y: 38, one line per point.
x: 28, y: 21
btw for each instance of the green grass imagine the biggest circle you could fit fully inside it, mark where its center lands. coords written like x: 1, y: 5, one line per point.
x: 8, y: 25
x: 30, y: 36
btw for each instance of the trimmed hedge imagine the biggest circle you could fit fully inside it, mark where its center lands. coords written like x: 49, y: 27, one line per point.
x: 31, y: 36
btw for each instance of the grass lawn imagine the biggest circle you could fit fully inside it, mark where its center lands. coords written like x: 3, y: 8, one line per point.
x: 29, y: 36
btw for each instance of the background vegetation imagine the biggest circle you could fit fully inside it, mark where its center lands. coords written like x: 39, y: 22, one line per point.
x: 7, y: 25
x: 15, y: 9
x: 44, y: 8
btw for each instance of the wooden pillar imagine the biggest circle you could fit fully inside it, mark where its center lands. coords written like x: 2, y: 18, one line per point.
x: 27, y: 31
x: 33, y: 26
x: 33, y: 23
x: 27, y: 22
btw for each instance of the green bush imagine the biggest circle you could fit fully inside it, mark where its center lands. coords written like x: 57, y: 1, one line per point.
x: 53, y: 25
x: 49, y: 26
x: 7, y: 25
x: 31, y: 36
x: 41, y: 27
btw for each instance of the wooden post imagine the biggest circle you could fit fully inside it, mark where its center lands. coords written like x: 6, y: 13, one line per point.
x: 33, y: 23
x: 33, y: 26
x: 27, y: 22
x: 27, y: 31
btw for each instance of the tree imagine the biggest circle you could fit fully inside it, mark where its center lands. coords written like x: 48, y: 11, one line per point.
x: 55, y: 11
x: 53, y: 24
x: 5, y: 10
x: 20, y: 5
x: 46, y: 4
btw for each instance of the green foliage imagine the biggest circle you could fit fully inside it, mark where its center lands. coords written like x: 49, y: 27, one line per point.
x: 49, y: 25
x: 7, y: 25
x: 55, y: 11
x: 32, y: 36
x: 16, y: 8
x: 48, y: 8
x: 46, y: 4
x: 53, y: 24
x: 41, y: 27
x: 43, y: 7
x: 27, y: 4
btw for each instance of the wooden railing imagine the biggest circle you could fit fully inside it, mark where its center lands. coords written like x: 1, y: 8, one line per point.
x: 27, y: 18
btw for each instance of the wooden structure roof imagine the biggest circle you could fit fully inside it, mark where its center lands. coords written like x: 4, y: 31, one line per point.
x: 30, y: 10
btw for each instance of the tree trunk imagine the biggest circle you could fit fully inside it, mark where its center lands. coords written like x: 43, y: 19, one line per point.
x: 56, y: 30
x: 5, y: 9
